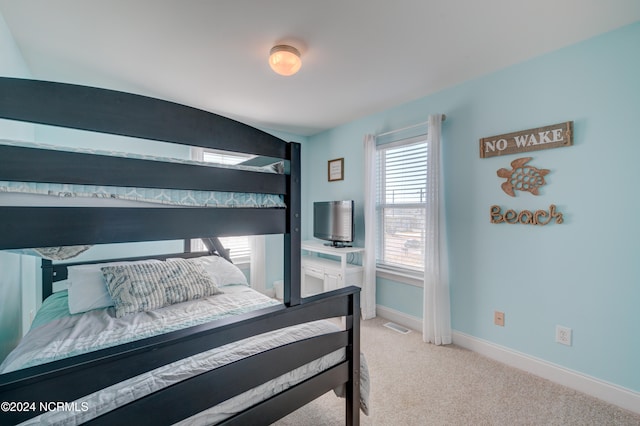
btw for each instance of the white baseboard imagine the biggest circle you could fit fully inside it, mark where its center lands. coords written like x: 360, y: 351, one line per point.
x: 611, y: 393
x: 400, y: 318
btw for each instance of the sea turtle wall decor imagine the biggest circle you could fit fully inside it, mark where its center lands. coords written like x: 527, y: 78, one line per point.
x: 522, y: 177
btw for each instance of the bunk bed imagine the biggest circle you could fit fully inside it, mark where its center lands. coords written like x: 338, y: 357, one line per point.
x: 66, y: 381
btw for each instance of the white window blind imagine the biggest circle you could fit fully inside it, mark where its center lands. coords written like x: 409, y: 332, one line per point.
x: 239, y: 248
x: 400, y: 204
x: 224, y: 157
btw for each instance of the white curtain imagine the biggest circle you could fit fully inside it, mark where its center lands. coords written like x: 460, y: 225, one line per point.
x: 368, y: 295
x: 436, y: 327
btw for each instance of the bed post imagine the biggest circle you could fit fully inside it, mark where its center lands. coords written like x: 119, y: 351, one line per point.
x: 47, y: 278
x: 292, y: 239
x: 353, y: 354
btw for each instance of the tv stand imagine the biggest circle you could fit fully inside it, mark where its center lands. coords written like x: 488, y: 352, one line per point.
x: 337, y: 244
x: 325, y: 273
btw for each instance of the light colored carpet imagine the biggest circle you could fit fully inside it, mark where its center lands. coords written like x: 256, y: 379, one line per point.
x: 413, y: 383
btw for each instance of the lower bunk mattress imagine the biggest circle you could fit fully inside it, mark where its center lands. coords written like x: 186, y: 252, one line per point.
x: 57, y: 334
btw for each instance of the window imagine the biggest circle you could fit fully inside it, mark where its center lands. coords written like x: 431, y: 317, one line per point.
x: 239, y: 247
x: 224, y: 157
x: 401, y: 175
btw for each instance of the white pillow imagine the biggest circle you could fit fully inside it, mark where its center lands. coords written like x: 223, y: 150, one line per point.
x: 59, y: 286
x: 149, y: 286
x: 221, y: 271
x: 87, y: 287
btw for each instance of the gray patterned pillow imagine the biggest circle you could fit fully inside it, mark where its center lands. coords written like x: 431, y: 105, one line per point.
x: 148, y: 286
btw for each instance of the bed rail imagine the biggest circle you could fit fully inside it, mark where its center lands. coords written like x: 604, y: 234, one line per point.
x: 26, y: 164
x: 29, y: 227
x: 119, y: 113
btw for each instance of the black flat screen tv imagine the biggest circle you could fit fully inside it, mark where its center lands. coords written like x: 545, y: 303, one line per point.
x: 333, y: 222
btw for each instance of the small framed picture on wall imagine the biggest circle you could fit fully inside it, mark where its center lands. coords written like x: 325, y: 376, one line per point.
x: 336, y: 169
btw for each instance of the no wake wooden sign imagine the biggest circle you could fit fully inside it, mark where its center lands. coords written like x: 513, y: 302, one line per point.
x: 554, y: 136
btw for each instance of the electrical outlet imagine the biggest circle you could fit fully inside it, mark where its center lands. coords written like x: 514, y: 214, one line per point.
x: 563, y: 335
x: 498, y: 318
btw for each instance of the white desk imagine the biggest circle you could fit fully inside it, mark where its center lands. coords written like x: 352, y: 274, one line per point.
x: 320, y: 274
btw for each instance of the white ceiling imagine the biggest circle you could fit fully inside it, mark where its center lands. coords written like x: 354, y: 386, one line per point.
x: 359, y: 56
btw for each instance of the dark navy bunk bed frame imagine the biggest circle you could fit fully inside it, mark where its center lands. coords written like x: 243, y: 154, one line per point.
x: 106, y: 111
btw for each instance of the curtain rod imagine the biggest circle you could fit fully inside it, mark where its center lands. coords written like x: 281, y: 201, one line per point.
x: 444, y: 117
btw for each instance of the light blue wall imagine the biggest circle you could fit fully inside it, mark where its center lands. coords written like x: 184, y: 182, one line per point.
x: 405, y: 298
x: 583, y: 274
x: 342, y: 142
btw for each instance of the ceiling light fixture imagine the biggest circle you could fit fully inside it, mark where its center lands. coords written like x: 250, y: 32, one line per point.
x: 285, y: 59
